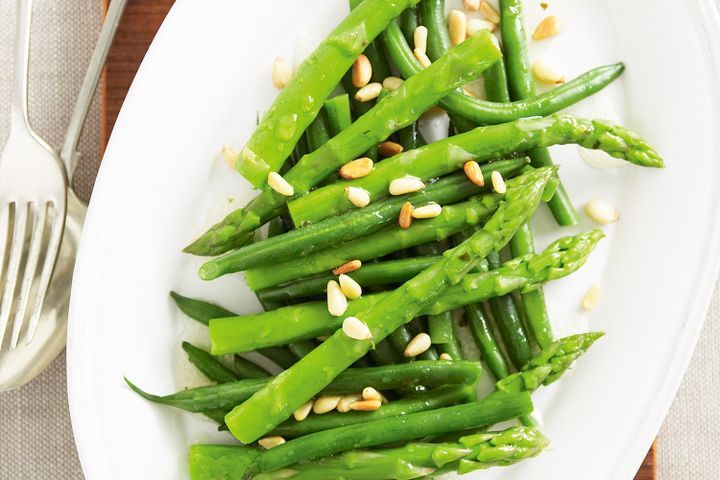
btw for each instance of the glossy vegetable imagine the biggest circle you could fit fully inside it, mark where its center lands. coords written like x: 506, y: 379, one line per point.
x: 297, y: 105
x: 337, y: 111
x: 482, y: 144
x: 488, y: 345
x: 247, y: 369
x: 282, y: 396
x: 209, y: 365
x: 309, y: 320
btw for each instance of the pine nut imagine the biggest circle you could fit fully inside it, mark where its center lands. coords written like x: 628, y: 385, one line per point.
x: 549, y: 27
x: 230, y: 156
x: 498, y: 182
x: 336, y: 300
x: 590, y: 300
x: 356, y: 329
x: 445, y: 357
x: 477, y: 24
x: 406, y: 184
x: 302, y: 413
x: 361, y: 71
x: 474, y: 173
x: 357, y: 196
x: 366, y: 405
x: 420, y: 36
x: 325, y: 404
x: 471, y: 5
x: 406, y: 216
x: 348, y: 267
x: 282, y: 73
x: 280, y: 185
x: 601, y: 212
x: 546, y: 73
x: 392, y: 83
x: 350, y: 287
x: 346, y: 401
x: 371, y: 91
x: 431, y: 210
x: 489, y: 12
x: 270, y: 442
x: 422, y: 58
x: 356, y: 168
x: 369, y: 393
x: 419, y: 344
x: 389, y: 149
x: 457, y: 26
x: 544, y: 5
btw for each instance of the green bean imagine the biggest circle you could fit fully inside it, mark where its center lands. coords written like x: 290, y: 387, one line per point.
x: 248, y: 369
x: 337, y: 111
x: 209, y: 365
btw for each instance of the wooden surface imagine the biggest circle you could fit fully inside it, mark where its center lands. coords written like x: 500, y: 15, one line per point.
x: 141, y: 20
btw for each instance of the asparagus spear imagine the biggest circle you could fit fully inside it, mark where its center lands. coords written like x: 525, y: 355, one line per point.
x: 299, y: 102
x: 309, y: 320
x: 482, y: 144
x: 421, y: 373
x: 356, y: 223
x: 399, y: 108
x: 278, y: 399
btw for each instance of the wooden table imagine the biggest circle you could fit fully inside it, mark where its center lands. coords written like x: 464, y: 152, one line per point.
x: 141, y: 20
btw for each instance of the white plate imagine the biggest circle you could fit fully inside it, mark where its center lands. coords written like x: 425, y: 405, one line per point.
x: 206, y: 75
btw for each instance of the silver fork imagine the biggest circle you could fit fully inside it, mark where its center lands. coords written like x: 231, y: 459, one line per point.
x: 33, y: 188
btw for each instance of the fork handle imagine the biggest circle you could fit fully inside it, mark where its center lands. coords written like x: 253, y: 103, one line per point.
x: 19, y: 102
x: 90, y: 82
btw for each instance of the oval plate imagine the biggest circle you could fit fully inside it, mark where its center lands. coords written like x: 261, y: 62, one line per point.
x: 204, y: 79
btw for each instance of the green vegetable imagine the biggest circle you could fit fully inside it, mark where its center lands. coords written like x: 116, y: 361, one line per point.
x: 485, y: 339
x: 355, y: 224
x: 227, y: 395
x: 337, y: 111
x: 481, y: 144
x: 209, y: 365
x: 432, y: 15
x: 309, y: 320
x: 248, y: 369
x: 282, y: 396
x: 299, y: 102
x: 318, y: 133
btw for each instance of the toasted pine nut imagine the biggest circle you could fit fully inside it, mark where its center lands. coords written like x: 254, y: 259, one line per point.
x: 471, y: 5
x: 431, y: 210
x: 357, y: 196
x: 356, y: 168
x: 406, y: 184
x: 489, y: 12
x: 325, y: 404
x: 230, y: 156
x: 405, y: 218
x: 498, y: 182
x: 361, y: 71
x: 445, y: 356
x: 282, y: 73
x: 392, y: 83
x: 346, y: 401
x: 389, y: 149
x: 422, y: 58
x: 476, y: 24
x: 369, y: 393
x: 280, y: 185
x: 544, y: 5
x: 601, y: 212
x: 457, y: 26
x: 336, y: 300
x: 348, y: 267
x: 473, y: 172
x: 366, y: 405
x: 420, y: 36
x: 356, y: 329
x: 302, y: 413
x: 546, y: 73
x: 419, y: 344
x: 369, y: 92
x: 549, y: 27
x: 350, y: 287
x: 270, y: 442
x: 590, y: 299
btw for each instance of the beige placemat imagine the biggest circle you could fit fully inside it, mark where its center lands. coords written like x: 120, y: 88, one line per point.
x: 35, y: 435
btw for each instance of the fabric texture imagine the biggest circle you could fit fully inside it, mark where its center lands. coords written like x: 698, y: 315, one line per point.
x: 36, y: 440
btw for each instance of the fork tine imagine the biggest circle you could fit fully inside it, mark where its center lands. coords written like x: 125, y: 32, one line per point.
x: 53, y: 248
x: 36, y: 239
x: 16, y: 248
